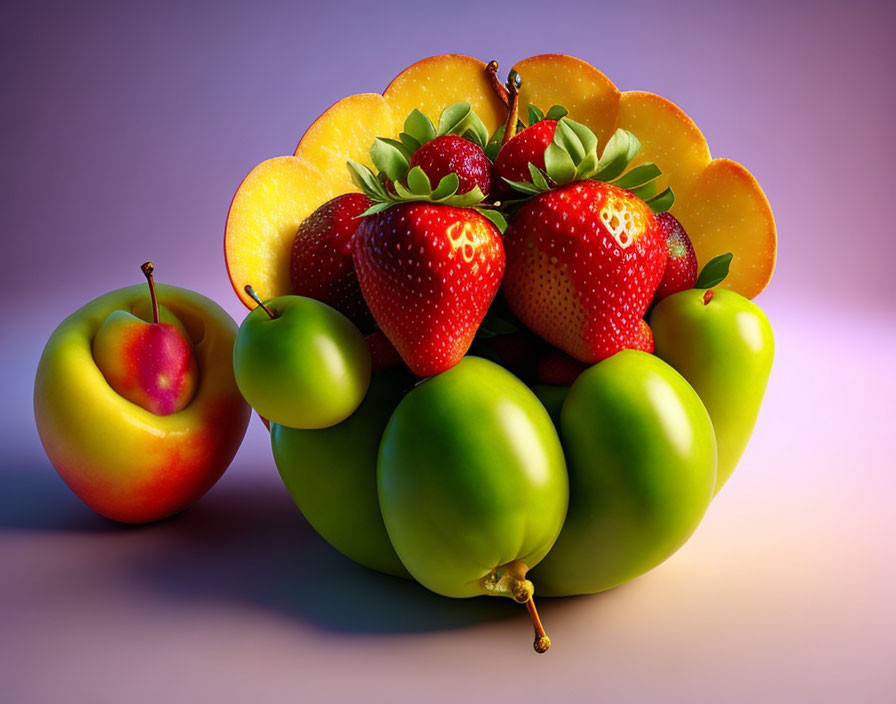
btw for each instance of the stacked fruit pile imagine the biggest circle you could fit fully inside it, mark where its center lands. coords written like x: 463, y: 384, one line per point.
x: 478, y: 335
x: 511, y: 407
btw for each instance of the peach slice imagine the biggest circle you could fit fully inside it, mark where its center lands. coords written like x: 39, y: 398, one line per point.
x: 669, y: 138
x: 557, y: 79
x: 739, y: 221
x: 726, y: 211
x: 344, y: 132
x: 431, y: 85
x: 266, y: 211
x: 719, y: 202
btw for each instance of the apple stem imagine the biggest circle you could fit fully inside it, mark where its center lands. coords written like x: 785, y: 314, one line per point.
x: 254, y: 296
x: 707, y: 297
x: 491, y: 70
x: 542, y: 642
x: 148, y: 268
x: 514, y: 82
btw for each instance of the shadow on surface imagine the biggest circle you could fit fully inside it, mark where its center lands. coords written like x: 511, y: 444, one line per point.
x: 34, y: 498
x: 247, y: 542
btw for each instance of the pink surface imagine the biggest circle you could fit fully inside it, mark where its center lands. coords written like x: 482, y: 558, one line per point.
x: 126, y: 132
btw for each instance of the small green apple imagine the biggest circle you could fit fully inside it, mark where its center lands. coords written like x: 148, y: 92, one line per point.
x: 300, y: 363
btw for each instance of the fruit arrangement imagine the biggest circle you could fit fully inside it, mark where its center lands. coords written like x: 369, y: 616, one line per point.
x: 501, y: 334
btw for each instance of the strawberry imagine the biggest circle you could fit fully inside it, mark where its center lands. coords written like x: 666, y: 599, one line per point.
x: 321, y: 265
x: 640, y: 338
x: 429, y: 273
x: 383, y: 354
x: 558, y: 368
x: 451, y: 154
x: 583, y: 263
x: 528, y: 147
x: 681, y: 266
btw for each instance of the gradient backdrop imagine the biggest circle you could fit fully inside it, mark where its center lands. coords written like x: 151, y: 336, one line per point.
x: 125, y: 131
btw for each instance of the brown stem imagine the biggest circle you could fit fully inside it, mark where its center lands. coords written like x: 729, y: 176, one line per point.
x: 254, y: 296
x: 514, y: 82
x: 707, y: 297
x: 147, y: 268
x: 542, y: 642
x: 491, y: 71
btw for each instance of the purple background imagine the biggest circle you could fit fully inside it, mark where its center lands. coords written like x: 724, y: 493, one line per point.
x: 125, y: 131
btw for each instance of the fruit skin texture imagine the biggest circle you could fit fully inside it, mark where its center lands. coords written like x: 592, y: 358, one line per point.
x: 725, y: 349
x: 642, y: 465
x: 321, y: 266
x: 681, y: 265
x: 123, y: 461
x: 512, y: 162
x: 308, y: 367
x: 451, y: 154
x: 471, y: 476
x: 331, y: 475
x: 429, y: 273
x: 150, y: 364
x: 572, y: 280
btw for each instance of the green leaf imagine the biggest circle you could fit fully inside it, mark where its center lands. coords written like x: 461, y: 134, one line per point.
x: 662, y: 202
x: 365, y: 179
x: 495, y: 216
x: 587, y: 166
x: 566, y: 138
x: 447, y: 187
x: 410, y: 143
x: 556, y: 112
x: 452, y: 116
x: 587, y: 138
x: 492, y: 149
x: 465, y: 200
x: 638, y: 176
x: 538, y: 179
x: 420, y: 127
x: 404, y: 193
x: 522, y: 187
x: 647, y: 191
x: 418, y: 182
x: 617, y: 155
x: 715, y: 271
x: 389, y: 159
x: 535, y: 115
x: 476, y: 131
x: 377, y: 208
x: 461, y: 120
x: 559, y: 164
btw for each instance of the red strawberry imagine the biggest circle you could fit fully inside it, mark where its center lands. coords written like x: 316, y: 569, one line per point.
x: 383, y: 354
x: 321, y: 266
x: 512, y: 162
x: 449, y: 154
x: 558, y: 368
x: 681, y: 266
x: 429, y: 273
x: 583, y: 263
x: 640, y: 338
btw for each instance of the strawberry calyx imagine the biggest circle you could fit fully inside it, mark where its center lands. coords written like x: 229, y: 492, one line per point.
x: 572, y: 156
x: 396, y: 181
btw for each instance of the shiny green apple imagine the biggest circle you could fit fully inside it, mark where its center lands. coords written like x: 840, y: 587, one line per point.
x: 642, y: 464
x: 722, y: 343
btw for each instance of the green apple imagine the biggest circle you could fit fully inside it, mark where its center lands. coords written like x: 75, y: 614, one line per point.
x: 722, y: 343
x: 472, y: 483
x: 300, y: 363
x: 642, y: 465
x: 331, y: 475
